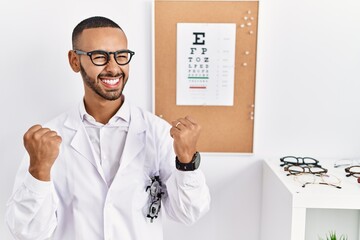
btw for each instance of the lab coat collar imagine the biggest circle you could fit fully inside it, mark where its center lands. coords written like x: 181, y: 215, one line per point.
x: 80, y: 141
x: 135, y: 140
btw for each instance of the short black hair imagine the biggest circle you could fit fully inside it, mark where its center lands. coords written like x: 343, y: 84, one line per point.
x: 92, y: 22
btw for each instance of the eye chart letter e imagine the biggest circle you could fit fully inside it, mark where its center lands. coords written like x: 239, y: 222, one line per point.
x: 205, y: 64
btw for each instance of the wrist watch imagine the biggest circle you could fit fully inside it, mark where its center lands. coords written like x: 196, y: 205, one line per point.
x: 191, y: 166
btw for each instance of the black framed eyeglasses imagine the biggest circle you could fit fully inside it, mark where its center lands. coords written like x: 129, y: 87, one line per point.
x: 291, y: 160
x: 353, y: 171
x: 299, y: 169
x: 101, y: 57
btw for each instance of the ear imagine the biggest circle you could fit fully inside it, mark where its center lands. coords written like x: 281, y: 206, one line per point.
x: 74, y: 61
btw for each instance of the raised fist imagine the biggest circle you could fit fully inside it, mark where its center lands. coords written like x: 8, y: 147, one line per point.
x: 186, y: 132
x: 43, y: 146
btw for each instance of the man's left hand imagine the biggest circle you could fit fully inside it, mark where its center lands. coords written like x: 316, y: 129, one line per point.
x: 185, y: 132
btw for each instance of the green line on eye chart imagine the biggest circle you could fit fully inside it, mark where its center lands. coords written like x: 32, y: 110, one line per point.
x: 198, y: 77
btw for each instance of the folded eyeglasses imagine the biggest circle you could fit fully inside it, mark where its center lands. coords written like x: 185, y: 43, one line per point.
x: 155, y: 192
x: 291, y: 160
x: 299, y: 169
x: 322, y: 179
x: 353, y: 171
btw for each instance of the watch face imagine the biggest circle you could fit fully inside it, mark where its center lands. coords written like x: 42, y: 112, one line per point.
x: 197, y: 160
x: 196, y: 163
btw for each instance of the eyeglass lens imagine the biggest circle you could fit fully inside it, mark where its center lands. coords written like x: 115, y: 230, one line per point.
x: 155, y: 189
x: 154, y: 209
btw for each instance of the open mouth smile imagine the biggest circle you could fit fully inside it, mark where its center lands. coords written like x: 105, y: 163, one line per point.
x: 111, y: 83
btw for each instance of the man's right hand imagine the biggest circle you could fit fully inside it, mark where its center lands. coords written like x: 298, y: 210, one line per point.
x: 43, y: 146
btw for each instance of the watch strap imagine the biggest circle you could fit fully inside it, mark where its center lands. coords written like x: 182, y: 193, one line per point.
x: 191, y: 166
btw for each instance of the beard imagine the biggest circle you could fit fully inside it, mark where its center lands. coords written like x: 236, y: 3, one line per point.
x: 110, y: 94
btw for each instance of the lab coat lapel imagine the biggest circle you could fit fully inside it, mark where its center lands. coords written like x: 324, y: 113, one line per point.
x: 80, y: 141
x: 135, y: 140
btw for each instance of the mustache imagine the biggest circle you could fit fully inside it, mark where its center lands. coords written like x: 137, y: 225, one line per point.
x: 111, y: 75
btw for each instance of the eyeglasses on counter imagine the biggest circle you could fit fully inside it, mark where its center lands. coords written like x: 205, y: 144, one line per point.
x: 308, y: 171
x: 291, y: 160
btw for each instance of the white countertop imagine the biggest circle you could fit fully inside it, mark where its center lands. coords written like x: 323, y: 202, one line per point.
x: 317, y: 195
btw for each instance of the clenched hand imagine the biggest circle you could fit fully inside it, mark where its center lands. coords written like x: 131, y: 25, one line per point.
x: 186, y: 132
x: 43, y: 146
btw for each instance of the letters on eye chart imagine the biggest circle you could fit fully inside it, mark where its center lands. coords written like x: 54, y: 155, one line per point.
x: 205, y: 64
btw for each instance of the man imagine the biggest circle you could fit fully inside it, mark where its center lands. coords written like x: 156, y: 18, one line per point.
x: 104, y: 169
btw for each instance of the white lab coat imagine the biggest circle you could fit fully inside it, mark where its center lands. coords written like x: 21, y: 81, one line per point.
x: 77, y: 203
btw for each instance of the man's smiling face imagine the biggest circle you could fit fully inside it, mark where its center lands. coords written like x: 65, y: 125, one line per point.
x: 106, y: 81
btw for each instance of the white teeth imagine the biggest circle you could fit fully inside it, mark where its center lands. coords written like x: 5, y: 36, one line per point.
x: 111, y: 81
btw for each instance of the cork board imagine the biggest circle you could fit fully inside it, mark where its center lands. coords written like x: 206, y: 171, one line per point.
x: 224, y: 128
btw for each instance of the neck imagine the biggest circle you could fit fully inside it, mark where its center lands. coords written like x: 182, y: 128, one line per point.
x: 102, y: 110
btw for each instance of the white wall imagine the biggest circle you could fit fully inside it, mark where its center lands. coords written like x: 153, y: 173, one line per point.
x: 307, y: 100
x: 308, y: 78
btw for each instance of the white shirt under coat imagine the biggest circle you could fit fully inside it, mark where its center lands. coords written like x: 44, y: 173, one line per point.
x: 108, y: 140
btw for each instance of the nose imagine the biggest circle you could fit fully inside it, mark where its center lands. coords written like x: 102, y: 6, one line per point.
x: 112, y: 66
